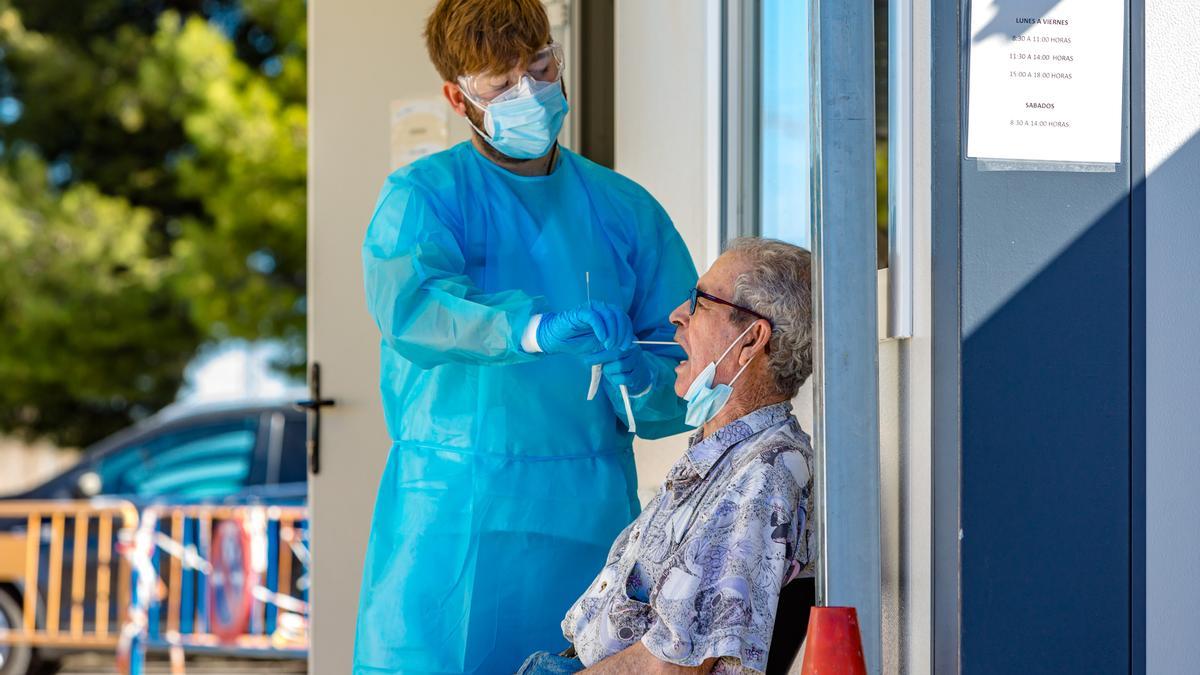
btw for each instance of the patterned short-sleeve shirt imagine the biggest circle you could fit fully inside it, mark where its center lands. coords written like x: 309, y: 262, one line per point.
x: 697, y: 575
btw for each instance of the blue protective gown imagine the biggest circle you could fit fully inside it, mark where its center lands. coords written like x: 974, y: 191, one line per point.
x: 504, y: 487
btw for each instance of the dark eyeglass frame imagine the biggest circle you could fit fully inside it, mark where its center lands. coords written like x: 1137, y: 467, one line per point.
x: 697, y: 293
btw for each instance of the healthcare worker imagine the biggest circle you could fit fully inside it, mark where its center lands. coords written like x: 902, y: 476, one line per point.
x: 499, y: 271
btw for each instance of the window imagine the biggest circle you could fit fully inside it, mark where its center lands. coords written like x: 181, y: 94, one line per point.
x: 207, y: 461
x: 773, y: 39
x: 784, y: 120
x: 294, y: 465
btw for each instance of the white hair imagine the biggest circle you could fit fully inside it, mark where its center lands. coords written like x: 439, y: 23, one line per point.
x: 777, y: 284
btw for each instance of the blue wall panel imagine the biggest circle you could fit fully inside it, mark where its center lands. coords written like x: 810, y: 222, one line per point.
x: 1045, y: 417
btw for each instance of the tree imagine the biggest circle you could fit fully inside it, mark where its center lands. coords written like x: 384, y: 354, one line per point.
x: 92, y: 336
x: 243, y: 256
x: 182, y: 123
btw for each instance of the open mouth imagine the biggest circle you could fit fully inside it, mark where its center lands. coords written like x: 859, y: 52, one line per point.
x: 687, y: 355
x: 682, y: 345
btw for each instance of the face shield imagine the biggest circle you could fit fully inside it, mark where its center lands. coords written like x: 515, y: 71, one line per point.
x: 545, y: 68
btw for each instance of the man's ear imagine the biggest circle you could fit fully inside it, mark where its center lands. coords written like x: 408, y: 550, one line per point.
x: 455, y: 97
x: 756, y: 340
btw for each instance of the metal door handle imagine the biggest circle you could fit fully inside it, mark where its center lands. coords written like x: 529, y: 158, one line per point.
x: 313, y: 405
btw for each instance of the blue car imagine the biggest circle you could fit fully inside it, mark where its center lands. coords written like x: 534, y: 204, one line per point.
x: 229, y: 455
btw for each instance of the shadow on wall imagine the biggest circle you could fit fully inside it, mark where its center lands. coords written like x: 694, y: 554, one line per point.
x: 1047, y: 445
x: 1000, y: 25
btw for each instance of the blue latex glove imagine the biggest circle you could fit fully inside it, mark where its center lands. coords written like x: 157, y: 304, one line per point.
x: 584, y: 330
x: 629, y: 367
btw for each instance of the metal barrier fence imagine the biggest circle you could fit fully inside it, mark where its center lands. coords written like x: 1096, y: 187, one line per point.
x: 47, y: 557
x: 186, y: 578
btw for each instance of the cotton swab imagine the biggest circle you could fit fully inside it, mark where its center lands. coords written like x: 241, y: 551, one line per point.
x: 594, y: 385
x: 628, y: 409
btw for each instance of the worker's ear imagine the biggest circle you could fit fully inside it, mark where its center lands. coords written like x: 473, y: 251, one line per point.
x: 455, y: 97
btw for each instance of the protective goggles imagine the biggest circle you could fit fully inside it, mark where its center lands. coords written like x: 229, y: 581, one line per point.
x: 546, y: 66
x: 697, y: 293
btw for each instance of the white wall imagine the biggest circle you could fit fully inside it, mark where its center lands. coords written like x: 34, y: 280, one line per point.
x: 908, y: 587
x: 27, y: 465
x: 665, y: 109
x: 363, y: 54
x: 1172, y: 324
x: 665, y: 138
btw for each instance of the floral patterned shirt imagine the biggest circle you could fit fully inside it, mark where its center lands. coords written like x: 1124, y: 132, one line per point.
x: 697, y: 575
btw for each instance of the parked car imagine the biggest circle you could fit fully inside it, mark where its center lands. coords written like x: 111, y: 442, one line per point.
x: 227, y: 454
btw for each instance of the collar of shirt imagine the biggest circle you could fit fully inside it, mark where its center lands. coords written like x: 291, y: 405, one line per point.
x: 701, y: 455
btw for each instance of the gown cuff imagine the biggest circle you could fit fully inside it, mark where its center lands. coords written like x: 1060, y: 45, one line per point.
x: 644, y: 391
x: 529, y: 341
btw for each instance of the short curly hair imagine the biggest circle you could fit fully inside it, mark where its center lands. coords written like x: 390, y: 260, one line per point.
x: 778, y: 285
x: 465, y: 37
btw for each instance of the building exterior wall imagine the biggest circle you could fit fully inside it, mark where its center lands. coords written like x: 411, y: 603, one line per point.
x: 1044, y: 394
x: 28, y: 464
x: 1172, y: 270
x: 1042, y: 356
x: 912, y: 504
x: 666, y: 140
x: 363, y: 54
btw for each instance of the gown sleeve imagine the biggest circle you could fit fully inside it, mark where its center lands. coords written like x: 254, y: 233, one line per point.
x: 425, y: 306
x: 665, y: 275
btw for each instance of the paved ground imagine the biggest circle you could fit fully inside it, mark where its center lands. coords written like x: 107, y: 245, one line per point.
x: 94, y: 664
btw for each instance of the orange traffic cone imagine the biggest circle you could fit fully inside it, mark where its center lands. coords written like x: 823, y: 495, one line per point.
x: 834, y: 644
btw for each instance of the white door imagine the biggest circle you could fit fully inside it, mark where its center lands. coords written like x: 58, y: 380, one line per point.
x: 363, y: 56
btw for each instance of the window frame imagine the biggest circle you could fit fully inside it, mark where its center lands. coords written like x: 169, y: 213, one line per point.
x: 741, y: 143
x: 741, y: 129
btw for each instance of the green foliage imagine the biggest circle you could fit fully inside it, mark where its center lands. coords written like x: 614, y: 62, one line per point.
x: 881, y: 202
x: 91, y: 333
x: 153, y: 193
x: 881, y: 185
x: 243, y: 258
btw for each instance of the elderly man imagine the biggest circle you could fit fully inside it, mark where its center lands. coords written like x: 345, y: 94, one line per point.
x: 692, y: 585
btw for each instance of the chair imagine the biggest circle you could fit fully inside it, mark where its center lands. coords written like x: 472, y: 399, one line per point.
x: 791, y: 624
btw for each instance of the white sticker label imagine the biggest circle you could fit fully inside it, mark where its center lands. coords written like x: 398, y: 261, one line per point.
x: 419, y: 127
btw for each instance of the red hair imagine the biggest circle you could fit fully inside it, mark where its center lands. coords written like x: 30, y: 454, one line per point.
x: 465, y: 37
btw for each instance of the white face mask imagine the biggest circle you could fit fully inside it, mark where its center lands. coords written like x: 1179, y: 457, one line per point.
x: 705, y: 401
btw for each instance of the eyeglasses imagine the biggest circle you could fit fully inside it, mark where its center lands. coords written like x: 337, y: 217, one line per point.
x: 697, y: 293
x: 545, y: 66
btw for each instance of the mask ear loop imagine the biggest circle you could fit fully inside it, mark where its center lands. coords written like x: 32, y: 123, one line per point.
x: 739, y: 373
x: 730, y: 348
x: 529, y: 83
x: 470, y: 99
x: 734, y: 344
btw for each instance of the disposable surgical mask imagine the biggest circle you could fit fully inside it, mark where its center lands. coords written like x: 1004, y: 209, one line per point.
x: 525, y: 123
x: 704, y: 401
